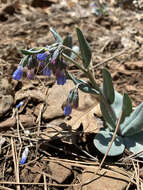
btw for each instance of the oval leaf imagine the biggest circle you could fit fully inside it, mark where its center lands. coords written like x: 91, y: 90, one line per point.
x: 68, y: 42
x: 56, y: 36
x: 134, y: 143
x: 111, y: 121
x: 108, y: 88
x: 134, y: 123
x: 102, y: 140
x: 126, y: 107
x: 84, y: 48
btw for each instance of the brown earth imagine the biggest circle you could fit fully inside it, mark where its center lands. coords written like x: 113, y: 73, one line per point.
x: 56, y: 159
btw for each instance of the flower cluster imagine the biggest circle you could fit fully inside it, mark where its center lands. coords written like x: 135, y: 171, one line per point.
x: 47, y: 63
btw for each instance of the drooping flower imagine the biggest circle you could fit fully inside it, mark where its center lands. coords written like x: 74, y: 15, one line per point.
x: 60, y: 77
x: 30, y: 74
x: 53, y: 61
x: 75, y: 100
x: 46, y: 71
x: 67, y: 110
x: 17, y: 75
x: 56, y: 55
x: 42, y: 56
x: 71, y: 102
x: 24, y: 156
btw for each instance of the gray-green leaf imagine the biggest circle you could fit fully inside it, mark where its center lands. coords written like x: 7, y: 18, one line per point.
x: 126, y: 107
x: 102, y: 140
x: 56, y: 36
x: 32, y: 51
x: 68, y: 42
x: 108, y: 88
x: 84, y: 48
x: 134, y: 143
x: 134, y: 123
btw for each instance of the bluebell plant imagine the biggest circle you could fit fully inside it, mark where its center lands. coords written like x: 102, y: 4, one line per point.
x: 116, y: 108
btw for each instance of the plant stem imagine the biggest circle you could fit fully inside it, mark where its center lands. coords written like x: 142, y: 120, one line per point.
x: 92, y: 80
x: 65, y: 47
x: 74, y: 62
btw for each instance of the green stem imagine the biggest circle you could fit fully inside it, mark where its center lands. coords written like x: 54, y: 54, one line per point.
x: 93, y: 82
x: 74, y: 62
x: 65, y: 47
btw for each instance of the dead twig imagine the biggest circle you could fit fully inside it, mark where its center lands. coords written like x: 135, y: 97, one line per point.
x: 16, y: 168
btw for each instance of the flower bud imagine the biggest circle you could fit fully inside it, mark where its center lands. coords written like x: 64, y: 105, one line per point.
x: 32, y: 63
x: 17, y: 75
x: 73, y: 98
x: 46, y: 71
x: 30, y: 74
x: 42, y: 56
x: 60, y: 77
x: 24, y: 156
x: 75, y: 101
x: 67, y: 110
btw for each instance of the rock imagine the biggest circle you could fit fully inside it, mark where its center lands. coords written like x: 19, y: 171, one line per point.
x: 5, y: 87
x: 83, y: 114
x: 60, y: 171
x: 107, y: 179
x: 6, y: 101
x: 35, y: 94
x: 26, y: 120
x: 56, y: 96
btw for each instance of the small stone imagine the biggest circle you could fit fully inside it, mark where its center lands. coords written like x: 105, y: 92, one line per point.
x: 60, y: 171
x: 6, y: 101
x: 106, y: 179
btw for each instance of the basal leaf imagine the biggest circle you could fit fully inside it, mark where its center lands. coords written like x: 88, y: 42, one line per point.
x: 108, y: 116
x: 126, y: 107
x: 108, y: 89
x: 111, y: 112
x: 134, y: 123
x: 84, y: 48
x: 102, y: 141
x: 134, y: 143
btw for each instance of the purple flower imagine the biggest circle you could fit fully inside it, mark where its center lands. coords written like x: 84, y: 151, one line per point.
x: 60, y: 77
x: 41, y: 63
x: 30, y: 74
x: 53, y: 61
x: 42, y: 56
x: 24, y: 156
x: 17, y: 75
x: 46, y: 71
x: 67, y: 110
